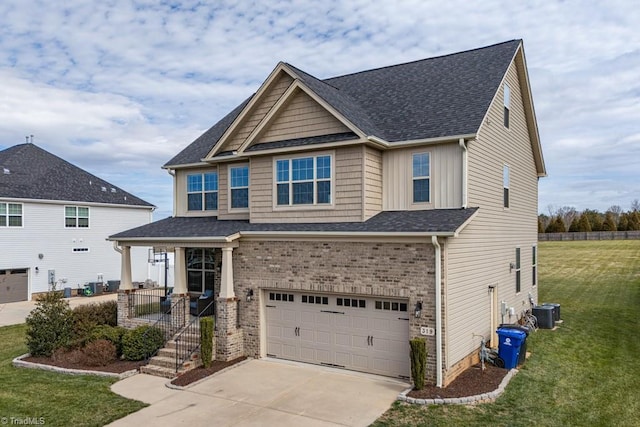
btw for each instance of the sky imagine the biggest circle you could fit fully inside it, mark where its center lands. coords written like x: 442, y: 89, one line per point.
x: 118, y: 87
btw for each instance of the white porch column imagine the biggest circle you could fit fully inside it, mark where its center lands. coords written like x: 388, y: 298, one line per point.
x: 226, y: 281
x: 180, y: 272
x: 125, y: 269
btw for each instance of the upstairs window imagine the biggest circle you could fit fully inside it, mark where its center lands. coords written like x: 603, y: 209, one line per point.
x: 239, y: 185
x: 202, y: 192
x: 518, y: 284
x: 505, y: 186
x: 303, y: 181
x: 10, y: 215
x: 76, y: 217
x: 507, y: 101
x: 534, y: 265
x: 421, y: 178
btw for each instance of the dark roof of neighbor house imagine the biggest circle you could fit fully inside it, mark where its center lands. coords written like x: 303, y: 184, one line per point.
x: 435, y: 97
x: 30, y: 172
x: 426, y: 221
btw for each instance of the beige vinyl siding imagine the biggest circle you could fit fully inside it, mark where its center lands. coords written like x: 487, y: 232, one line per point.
x: 181, y: 190
x: 347, y: 191
x: 445, y: 178
x: 259, y: 111
x: 480, y: 256
x: 372, y: 182
x: 223, y: 193
x: 301, y: 117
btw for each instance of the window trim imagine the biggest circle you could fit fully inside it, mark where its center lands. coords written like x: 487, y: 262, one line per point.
x: 315, y: 205
x: 203, y: 270
x: 427, y: 177
x: 534, y: 265
x: 7, y: 215
x: 506, y: 102
x: 76, y: 226
x: 203, y: 192
x: 506, y: 186
x: 230, y: 188
x: 518, y: 271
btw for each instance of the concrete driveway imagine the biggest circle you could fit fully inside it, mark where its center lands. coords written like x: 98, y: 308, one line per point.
x: 14, y: 313
x: 263, y: 392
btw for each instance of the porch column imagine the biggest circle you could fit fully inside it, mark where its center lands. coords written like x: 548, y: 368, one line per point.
x: 180, y: 272
x: 125, y: 269
x: 226, y: 280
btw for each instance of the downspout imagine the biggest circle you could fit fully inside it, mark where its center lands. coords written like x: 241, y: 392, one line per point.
x: 438, y: 263
x: 116, y: 247
x: 463, y: 145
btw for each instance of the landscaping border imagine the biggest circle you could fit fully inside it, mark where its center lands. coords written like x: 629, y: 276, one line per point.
x: 469, y: 400
x: 19, y: 363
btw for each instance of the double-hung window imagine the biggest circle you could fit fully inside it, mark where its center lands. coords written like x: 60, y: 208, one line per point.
x: 76, y: 217
x: 507, y: 102
x: 421, y: 178
x: 518, y: 283
x: 202, y: 192
x: 505, y: 186
x: 303, y: 181
x: 200, y: 269
x: 10, y: 214
x: 534, y: 265
x: 239, y: 186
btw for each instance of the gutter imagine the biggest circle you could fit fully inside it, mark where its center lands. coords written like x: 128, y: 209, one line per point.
x: 386, y: 144
x: 438, y: 278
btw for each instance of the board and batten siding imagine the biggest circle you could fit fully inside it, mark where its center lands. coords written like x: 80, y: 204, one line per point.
x: 347, y: 191
x: 181, y: 191
x: 372, y: 182
x: 44, y: 232
x: 302, y: 117
x: 445, y: 180
x: 259, y: 111
x: 481, y: 255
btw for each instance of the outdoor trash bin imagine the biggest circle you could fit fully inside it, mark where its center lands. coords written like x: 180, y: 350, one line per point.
x: 509, y: 345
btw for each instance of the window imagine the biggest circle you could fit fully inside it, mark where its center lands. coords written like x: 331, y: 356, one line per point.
x: 200, y: 269
x: 76, y: 217
x: 276, y: 296
x: 315, y: 299
x: 391, y: 305
x: 507, y: 101
x: 80, y: 249
x: 239, y: 182
x: 505, y: 186
x: 534, y: 265
x: 351, y: 302
x: 303, y: 181
x: 518, y: 284
x: 10, y: 215
x: 202, y: 192
x: 421, y: 178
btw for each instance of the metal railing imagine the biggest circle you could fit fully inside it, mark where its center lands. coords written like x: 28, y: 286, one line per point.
x: 170, y: 322
x: 148, y: 304
x: 188, y: 340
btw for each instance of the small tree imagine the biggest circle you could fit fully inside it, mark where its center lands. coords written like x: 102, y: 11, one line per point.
x: 574, y: 225
x: 49, y: 325
x: 584, y: 224
x: 206, y: 340
x: 609, y: 223
x: 418, y: 362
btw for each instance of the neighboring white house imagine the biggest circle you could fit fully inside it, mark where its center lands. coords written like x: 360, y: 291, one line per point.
x: 54, y: 221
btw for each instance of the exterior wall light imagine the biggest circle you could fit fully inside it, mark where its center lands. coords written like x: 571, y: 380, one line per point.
x: 418, y: 311
x: 249, y: 295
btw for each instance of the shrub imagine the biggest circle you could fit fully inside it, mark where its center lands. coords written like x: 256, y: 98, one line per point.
x: 99, y: 353
x: 74, y: 356
x: 87, y: 317
x: 141, y: 342
x: 418, y: 362
x: 49, y: 325
x: 112, y: 334
x: 206, y: 340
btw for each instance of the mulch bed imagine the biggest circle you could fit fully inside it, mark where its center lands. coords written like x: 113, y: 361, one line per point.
x: 471, y: 382
x: 197, y: 374
x: 117, y: 367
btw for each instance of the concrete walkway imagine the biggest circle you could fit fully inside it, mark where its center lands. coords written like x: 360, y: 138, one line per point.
x: 263, y: 392
x: 14, y: 313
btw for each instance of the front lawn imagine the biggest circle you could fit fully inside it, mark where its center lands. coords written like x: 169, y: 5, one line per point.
x: 55, y: 399
x: 583, y: 374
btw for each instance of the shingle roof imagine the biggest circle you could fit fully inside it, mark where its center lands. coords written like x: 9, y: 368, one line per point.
x: 35, y: 173
x: 436, y: 97
x: 437, y: 221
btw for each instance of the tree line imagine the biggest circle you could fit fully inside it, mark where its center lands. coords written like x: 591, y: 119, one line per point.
x: 567, y: 218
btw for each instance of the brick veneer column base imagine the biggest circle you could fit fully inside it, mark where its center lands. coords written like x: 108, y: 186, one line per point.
x: 229, y: 338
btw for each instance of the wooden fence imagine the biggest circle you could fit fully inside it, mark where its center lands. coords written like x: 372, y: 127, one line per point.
x: 592, y: 235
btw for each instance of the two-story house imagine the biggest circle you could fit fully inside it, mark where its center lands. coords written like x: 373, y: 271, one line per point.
x: 336, y: 219
x: 54, y: 221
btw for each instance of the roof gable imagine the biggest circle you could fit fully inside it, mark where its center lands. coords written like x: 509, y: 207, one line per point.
x: 35, y: 173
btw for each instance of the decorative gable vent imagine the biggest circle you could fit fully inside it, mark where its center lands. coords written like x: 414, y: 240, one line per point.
x: 6, y: 171
x: 113, y: 190
x: 103, y: 189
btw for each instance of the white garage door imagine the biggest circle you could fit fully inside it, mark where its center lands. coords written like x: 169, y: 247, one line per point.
x: 362, y: 334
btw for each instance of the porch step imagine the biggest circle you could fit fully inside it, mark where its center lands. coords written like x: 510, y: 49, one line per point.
x: 158, y: 371
x: 171, y: 344
x: 164, y: 364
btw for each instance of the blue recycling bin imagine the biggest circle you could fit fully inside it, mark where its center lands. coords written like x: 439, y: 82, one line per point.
x: 509, y: 345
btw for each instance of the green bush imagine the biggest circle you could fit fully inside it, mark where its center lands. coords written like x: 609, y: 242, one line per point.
x: 49, y: 325
x: 418, y: 362
x: 112, y: 334
x: 99, y: 353
x: 88, y: 316
x: 142, y: 342
x: 146, y: 309
x: 206, y: 340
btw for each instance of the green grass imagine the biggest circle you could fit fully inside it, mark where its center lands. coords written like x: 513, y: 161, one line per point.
x: 61, y: 400
x: 586, y: 372
x: 147, y: 308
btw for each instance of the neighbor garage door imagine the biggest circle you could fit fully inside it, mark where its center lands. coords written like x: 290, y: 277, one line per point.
x: 362, y: 334
x: 14, y: 285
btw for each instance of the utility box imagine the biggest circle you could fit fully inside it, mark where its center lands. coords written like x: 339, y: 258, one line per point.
x: 544, y: 314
